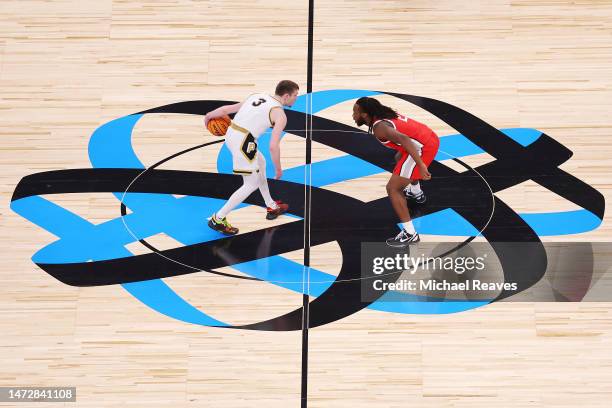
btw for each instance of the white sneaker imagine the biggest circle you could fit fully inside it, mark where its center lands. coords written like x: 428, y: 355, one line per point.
x: 403, y: 239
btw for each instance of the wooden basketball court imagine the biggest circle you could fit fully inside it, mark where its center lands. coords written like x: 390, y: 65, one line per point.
x: 68, y: 69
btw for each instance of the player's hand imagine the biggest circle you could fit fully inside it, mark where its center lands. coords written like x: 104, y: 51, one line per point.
x: 206, y: 120
x: 425, y: 174
x: 279, y: 173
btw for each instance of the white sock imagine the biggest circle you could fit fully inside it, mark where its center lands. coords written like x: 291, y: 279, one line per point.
x: 408, y: 227
x: 251, y: 182
x: 263, y: 182
x: 415, y: 188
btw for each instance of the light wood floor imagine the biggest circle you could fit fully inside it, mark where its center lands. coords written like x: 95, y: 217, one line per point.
x: 66, y: 67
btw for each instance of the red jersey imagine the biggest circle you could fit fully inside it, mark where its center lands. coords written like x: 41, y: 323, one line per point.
x: 417, y: 131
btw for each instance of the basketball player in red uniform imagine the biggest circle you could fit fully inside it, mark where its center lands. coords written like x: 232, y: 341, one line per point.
x: 416, y: 146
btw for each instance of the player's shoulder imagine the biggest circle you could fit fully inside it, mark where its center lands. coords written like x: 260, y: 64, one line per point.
x: 383, y: 122
x: 274, y: 101
x: 276, y: 113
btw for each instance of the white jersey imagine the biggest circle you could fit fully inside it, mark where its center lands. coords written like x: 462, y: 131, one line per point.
x: 255, y: 114
x: 250, y: 122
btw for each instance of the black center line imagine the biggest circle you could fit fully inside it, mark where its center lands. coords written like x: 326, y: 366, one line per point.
x: 307, y: 208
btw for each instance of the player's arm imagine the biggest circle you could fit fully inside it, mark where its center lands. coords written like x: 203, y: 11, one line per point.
x: 385, y: 131
x: 222, y: 111
x: 280, y: 121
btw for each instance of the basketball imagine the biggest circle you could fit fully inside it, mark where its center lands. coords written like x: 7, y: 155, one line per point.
x: 218, y: 126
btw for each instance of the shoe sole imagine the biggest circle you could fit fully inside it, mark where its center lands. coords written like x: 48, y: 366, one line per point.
x: 413, y: 200
x: 403, y: 244
x: 212, y: 226
x: 273, y: 216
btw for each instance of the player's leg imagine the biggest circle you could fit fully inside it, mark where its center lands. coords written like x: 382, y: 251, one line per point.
x: 413, y: 191
x: 395, y: 190
x: 395, y: 187
x: 218, y: 220
x: 242, y: 164
x: 274, y: 208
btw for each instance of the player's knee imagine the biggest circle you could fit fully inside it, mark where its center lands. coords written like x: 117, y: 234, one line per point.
x: 251, y: 182
x: 391, y: 187
x: 253, y: 186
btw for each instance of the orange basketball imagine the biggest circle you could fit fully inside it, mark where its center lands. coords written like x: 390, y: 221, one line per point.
x: 218, y: 126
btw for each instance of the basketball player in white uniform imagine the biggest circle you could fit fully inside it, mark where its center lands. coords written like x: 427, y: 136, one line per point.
x: 253, y: 117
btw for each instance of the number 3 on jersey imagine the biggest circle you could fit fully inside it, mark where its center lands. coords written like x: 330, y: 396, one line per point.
x: 259, y: 102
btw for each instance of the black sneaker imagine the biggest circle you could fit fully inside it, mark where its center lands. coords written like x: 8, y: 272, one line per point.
x: 403, y: 239
x: 417, y: 198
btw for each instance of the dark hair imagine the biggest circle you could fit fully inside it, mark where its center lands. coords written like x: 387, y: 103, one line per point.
x: 375, y: 109
x: 286, y: 87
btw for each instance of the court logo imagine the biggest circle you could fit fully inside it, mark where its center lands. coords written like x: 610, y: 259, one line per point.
x: 461, y: 203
